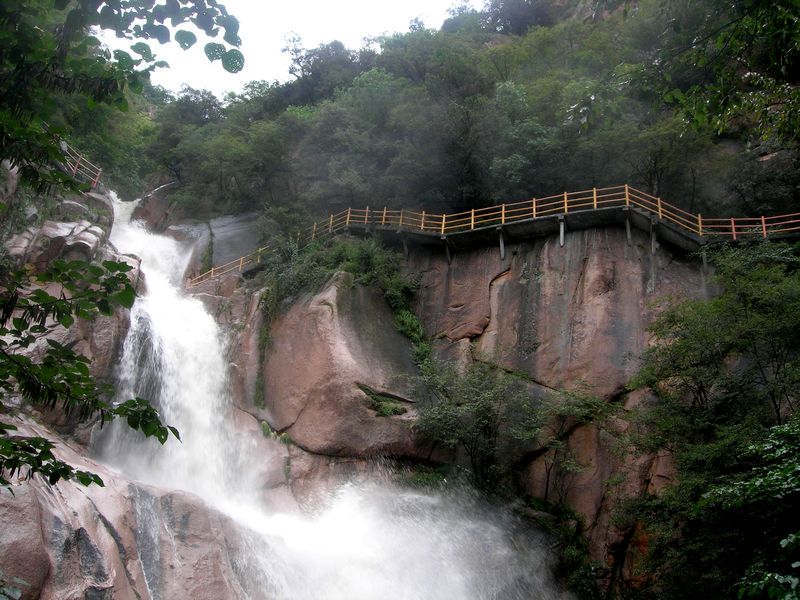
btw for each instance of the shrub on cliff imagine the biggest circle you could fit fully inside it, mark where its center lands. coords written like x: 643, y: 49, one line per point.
x: 727, y: 375
x: 41, y: 371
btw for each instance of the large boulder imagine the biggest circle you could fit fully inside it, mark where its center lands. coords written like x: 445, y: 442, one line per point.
x: 121, y: 541
x: 40, y: 246
x: 325, y: 356
x: 154, y: 209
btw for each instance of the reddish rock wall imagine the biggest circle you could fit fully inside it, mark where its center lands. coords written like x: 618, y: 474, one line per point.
x: 122, y: 541
x: 574, y: 318
x: 563, y: 315
x: 319, y: 354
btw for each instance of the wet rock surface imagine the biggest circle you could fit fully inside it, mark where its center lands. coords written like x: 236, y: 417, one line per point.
x: 122, y: 541
x: 40, y: 246
x: 570, y: 318
x: 321, y: 355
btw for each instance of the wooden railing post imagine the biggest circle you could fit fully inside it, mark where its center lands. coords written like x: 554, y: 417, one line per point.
x: 347, y: 219
x: 383, y: 217
x: 660, y: 213
x: 330, y: 223
x: 594, y: 198
x: 97, y: 178
x: 733, y: 228
x: 314, y: 232
x: 77, y: 165
x: 422, y: 223
x: 366, y: 216
x: 566, y: 205
x: 534, y: 207
x: 241, y: 264
x: 444, y: 218
x: 764, y: 226
x: 627, y: 196
x: 472, y: 219
x: 699, y: 224
x: 401, y: 217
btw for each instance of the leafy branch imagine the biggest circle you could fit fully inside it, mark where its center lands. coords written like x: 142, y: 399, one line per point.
x: 46, y: 373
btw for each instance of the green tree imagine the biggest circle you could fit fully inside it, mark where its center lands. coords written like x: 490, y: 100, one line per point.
x: 476, y: 411
x: 45, y: 51
x: 725, y: 372
x: 725, y: 62
x: 36, y: 369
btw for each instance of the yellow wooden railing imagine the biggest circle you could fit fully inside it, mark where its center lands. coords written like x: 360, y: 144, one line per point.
x: 536, y: 208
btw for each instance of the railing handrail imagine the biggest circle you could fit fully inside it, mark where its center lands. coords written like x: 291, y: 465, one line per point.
x: 79, y: 165
x: 527, y: 210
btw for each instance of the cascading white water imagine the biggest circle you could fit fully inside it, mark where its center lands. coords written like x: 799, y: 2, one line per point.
x: 370, y: 542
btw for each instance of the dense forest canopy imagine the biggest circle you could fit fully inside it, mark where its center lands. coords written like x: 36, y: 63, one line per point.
x: 691, y: 101
x: 695, y: 101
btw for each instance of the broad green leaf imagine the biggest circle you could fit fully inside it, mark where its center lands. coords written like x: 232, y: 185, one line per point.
x: 233, y: 61
x: 214, y: 51
x: 185, y: 39
x: 159, y: 32
x: 124, y: 60
x: 126, y: 296
x: 144, y: 51
x: 121, y: 103
x: 108, y: 18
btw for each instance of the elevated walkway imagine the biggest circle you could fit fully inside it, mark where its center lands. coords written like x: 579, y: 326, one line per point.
x: 538, y: 217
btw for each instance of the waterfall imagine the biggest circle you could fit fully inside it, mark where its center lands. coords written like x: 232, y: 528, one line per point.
x: 368, y: 542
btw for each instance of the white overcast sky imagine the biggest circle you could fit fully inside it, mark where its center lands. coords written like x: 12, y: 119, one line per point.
x: 265, y: 26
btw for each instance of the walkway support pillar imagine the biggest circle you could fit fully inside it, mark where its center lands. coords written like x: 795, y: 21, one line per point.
x: 502, y: 244
x: 561, y: 230
x: 628, y: 226
x: 653, y: 237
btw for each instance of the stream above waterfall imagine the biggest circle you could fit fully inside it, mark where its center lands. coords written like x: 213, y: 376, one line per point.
x: 366, y: 540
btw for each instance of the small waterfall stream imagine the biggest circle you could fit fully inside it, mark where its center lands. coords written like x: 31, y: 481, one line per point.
x: 370, y: 542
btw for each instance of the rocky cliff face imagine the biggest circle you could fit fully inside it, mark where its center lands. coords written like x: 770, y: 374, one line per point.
x: 570, y: 318
x: 122, y: 541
